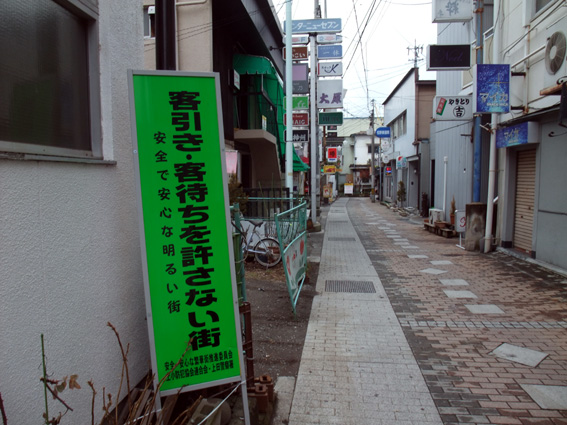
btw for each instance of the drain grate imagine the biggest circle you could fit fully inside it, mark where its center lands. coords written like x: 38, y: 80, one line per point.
x: 336, y: 239
x: 353, y: 286
x: 338, y: 221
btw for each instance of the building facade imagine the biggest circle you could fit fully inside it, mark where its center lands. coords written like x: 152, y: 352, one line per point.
x: 529, y: 207
x: 70, y: 253
x: 407, y: 112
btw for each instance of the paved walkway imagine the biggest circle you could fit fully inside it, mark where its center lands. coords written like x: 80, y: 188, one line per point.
x: 448, y: 336
x: 356, y: 367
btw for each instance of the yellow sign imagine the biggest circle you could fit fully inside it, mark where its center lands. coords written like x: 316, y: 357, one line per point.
x: 329, y: 169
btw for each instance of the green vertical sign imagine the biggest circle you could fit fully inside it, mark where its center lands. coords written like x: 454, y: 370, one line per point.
x: 185, y: 223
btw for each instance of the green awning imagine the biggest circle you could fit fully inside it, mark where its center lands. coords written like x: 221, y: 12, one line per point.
x: 273, y: 86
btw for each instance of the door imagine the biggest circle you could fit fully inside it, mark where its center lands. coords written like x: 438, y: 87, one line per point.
x: 525, y: 200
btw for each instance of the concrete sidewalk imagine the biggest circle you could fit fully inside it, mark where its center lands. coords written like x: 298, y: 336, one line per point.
x: 356, y: 367
x: 410, y: 329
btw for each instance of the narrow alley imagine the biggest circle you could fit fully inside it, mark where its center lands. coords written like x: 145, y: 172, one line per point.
x: 408, y: 328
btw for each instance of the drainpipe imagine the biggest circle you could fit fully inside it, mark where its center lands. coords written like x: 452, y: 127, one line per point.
x: 166, y: 55
x: 495, y: 120
x: 445, y: 161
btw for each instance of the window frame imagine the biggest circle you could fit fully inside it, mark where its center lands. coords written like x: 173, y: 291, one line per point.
x: 87, y: 10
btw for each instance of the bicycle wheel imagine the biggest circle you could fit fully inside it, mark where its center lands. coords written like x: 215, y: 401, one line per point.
x: 268, y: 252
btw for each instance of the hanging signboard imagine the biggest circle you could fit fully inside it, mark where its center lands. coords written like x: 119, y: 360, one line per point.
x: 452, y: 10
x: 519, y: 134
x: 298, y: 102
x: 401, y: 162
x: 383, y: 132
x: 299, y: 119
x: 330, y: 118
x: 297, y: 53
x: 306, y: 26
x: 330, y: 51
x: 300, y: 75
x: 187, y: 257
x: 447, y: 57
x: 329, y: 94
x: 329, y: 169
x: 452, y: 108
x: 330, y: 69
x: 332, y: 154
x: 491, y: 89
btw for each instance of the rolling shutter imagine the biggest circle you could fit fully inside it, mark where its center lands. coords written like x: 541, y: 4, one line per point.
x: 525, y: 196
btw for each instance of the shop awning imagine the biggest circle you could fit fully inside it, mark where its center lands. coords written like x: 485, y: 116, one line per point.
x: 273, y: 86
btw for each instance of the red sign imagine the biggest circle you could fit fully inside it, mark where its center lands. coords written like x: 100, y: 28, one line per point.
x: 332, y: 153
x: 299, y: 119
x: 297, y: 53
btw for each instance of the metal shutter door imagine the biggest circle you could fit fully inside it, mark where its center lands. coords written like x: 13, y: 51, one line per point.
x: 525, y: 195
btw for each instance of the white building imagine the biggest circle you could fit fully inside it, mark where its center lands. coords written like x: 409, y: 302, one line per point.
x: 531, y: 208
x: 70, y: 252
x: 407, y: 111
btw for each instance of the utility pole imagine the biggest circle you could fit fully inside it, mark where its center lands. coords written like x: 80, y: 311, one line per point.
x: 417, y: 50
x: 289, y: 101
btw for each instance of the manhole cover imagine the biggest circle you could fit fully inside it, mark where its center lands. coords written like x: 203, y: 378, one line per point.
x: 356, y: 286
x: 342, y: 239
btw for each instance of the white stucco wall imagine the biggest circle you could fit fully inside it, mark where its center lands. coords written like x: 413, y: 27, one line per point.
x: 70, y: 255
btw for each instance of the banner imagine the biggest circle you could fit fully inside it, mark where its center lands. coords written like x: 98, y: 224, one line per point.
x: 187, y: 255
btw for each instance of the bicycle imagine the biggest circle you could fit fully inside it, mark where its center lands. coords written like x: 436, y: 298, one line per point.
x: 266, y: 250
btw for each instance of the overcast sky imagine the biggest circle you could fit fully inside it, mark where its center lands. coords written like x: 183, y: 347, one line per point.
x: 375, y: 47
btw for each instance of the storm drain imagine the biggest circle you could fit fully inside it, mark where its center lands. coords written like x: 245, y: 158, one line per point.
x: 353, y: 286
x: 342, y: 239
x: 338, y: 221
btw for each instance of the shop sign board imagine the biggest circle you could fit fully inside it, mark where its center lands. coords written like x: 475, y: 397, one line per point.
x: 299, y: 136
x: 452, y: 11
x: 329, y: 38
x: 519, y: 134
x: 299, y: 119
x: 330, y: 51
x: 332, y: 154
x: 298, y: 102
x: 300, y: 78
x: 307, y: 26
x: 448, y: 57
x: 330, y: 118
x: 330, y: 69
x: 297, y: 53
x: 491, y: 88
x: 453, y: 108
x: 329, y: 93
x: 185, y: 229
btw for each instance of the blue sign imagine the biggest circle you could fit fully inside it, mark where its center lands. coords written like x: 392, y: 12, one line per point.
x: 383, y: 132
x: 330, y: 51
x: 491, y: 89
x: 519, y: 134
x: 305, y: 26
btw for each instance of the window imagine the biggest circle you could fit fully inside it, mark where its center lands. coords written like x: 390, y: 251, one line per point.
x: 540, y: 4
x: 399, y: 125
x: 149, y: 21
x: 49, y: 96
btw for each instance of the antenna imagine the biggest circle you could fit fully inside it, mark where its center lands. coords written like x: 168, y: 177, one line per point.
x: 417, y: 50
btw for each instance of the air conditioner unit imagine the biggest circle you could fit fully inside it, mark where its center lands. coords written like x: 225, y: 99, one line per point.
x: 555, y: 52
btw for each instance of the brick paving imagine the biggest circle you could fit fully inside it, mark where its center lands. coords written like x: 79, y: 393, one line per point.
x: 452, y: 346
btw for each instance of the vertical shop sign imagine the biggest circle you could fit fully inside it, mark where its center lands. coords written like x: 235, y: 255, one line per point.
x: 189, y: 277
